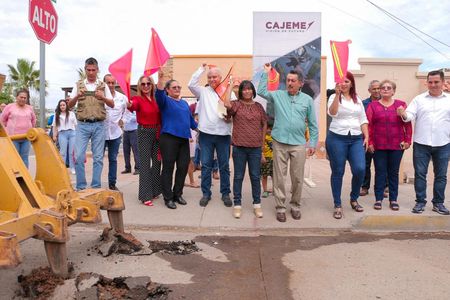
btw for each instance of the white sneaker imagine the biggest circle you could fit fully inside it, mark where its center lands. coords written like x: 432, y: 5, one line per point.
x: 237, y: 212
x: 72, y: 170
x: 258, y: 210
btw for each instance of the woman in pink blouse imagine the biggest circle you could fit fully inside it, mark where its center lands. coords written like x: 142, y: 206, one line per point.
x: 389, y: 136
x: 18, y: 117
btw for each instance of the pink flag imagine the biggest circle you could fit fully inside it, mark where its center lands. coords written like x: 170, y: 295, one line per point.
x: 339, y: 51
x: 224, y: 88
x: 157, y: 55
x: 121, y: 70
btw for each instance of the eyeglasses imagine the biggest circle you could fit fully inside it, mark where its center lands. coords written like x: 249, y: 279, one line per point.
x: 146, y: 83
x: 387, y: 88
x: 110, y: 82
x: 177, y: 87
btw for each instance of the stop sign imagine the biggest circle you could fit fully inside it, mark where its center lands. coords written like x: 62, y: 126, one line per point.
x: 43, y: 20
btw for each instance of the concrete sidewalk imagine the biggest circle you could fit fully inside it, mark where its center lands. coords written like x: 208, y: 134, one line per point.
x: 317, y: 207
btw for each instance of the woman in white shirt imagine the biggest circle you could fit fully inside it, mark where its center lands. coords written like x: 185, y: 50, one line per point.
x: 64, y: 124
x: 346, y: 140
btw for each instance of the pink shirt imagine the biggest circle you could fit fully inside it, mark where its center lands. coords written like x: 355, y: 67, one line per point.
x: 18, y: 119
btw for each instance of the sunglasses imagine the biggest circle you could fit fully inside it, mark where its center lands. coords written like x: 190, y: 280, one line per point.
x: 177, y: 87
x: 146, y: 83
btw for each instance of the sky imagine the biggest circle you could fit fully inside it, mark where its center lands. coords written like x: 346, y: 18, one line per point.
x: 108, y: 29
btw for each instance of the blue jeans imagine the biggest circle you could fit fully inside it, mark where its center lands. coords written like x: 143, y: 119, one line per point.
x: 242, y: 156
x: 422, y: 155
x: 221, y: 144
x: 196, y: 159
x: 23, y: 147
x: 130, y: 143
x: 341, y: 148
x: 66, y: 140
x: 113, y: 151
x: 387, y: 165
x: 96, y: 133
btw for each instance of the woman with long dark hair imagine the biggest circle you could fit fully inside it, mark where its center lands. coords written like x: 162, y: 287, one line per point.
x: 346, y: 141
x: 149, y: 120
x: 249, y: 131
x: 64, y: 124
x: 177, y: 122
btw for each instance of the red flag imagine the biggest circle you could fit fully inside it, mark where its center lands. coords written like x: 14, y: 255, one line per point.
x: 157, y: 55
x: 273, y: 80
x: 121, y: 70
x: 339, y: 51
x: 224, y: 88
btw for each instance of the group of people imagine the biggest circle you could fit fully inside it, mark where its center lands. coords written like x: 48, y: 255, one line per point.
x: 159, y: 126
x: 379, y: 128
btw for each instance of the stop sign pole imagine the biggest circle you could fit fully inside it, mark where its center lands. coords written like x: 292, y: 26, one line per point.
x: 44, y: 21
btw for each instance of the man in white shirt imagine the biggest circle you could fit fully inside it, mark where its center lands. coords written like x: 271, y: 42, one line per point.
x: 214, y: 133
x: 431, y: 112
x: 113, y: 129
x: 91, y: 97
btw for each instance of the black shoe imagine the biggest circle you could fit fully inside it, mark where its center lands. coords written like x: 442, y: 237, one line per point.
x: 419, y: 208
x: 440, y: 209
x: 125, y: 171
x: 204, y: 201
x: 170, y: 204
x: 180, y: 200
x: 227, y: 200
x: 113, y: 187
x: 136, y: 172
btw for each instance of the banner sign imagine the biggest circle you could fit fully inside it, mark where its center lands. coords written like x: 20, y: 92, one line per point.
x: 288, y: 40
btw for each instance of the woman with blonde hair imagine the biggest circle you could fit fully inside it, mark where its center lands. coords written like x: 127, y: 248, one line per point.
x: 389, y: 136
x: 149, y: 125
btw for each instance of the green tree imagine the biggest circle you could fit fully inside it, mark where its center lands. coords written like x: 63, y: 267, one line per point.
x: 6, y: 95
x: 24, y: 75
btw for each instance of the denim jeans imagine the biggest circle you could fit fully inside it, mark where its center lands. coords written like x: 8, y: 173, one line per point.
x: 242, y: 156
x: 130, y: 143
x: 113, y: 151
x: 422, y: 154
x: 23, y: 147
x: 221, y: 144
x: 66, y: 140
x: 387, y: 165
x: 196, y: 159
x: 368, y: 174
x: 341, y: 148
x: 96, y: 133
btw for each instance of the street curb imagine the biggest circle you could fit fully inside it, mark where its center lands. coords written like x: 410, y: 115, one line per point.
x: 416, y: 223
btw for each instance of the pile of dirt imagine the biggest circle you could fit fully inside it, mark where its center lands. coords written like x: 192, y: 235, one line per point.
x: 176, y: 248
x: 117, y: 242
x: 39, y: 284
x: 125, y: 243
x: 97, y: 287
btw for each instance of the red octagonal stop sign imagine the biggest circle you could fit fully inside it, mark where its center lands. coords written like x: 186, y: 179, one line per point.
x: 43, y: 19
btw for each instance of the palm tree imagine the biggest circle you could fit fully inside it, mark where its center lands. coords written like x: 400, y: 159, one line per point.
x: 24, y: 75
x: 81, y: 73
